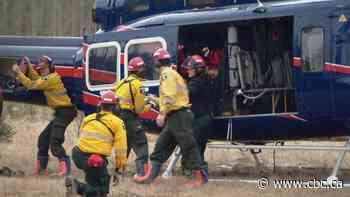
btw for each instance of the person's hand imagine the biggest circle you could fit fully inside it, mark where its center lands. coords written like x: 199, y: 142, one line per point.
x: 16, y: 69
x: 160, y: 120
x: 120, y: 164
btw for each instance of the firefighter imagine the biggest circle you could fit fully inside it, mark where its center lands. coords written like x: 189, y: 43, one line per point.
x: 176, y: 119
x: 199, y: 93
x: 99, y: 134
x: 52, y: 137
x: 132, y: 103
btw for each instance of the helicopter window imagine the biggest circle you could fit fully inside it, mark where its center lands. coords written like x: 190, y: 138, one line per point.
x: 312, y: 44
x: 102, y: 65
x: 138, y: 5
x: 145, y: 48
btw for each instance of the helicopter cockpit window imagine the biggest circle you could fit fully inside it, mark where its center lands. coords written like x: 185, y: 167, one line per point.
x: 137, y: 5
x: 312, y: 44
x: 102, y: 65
x: 145, y: 49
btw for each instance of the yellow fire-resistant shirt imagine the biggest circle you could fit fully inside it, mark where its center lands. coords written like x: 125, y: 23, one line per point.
x: 52, y: 86
x: 173, y: 91
x: 123, y: 91
x: 95, y: 137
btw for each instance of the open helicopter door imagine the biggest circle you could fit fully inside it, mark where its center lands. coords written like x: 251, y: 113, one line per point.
x: 313, y: 82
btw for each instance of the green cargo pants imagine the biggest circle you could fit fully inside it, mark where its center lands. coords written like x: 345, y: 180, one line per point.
x: 136, y: 136
x: 52, y: 137
x: 97, y: 178
x: 178, y: 130
x: 201, y: 128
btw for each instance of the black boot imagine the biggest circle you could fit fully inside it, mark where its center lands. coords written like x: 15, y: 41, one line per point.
x: 73, y: 186
x: 41, y: 165
x: 140, y: 168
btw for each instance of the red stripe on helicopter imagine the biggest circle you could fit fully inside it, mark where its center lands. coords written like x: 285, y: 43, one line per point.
x: 102, y: 76
x: 337, y: 68
x: 297, y: 62
x: 122, y: 59
x: 292, y: 117
x: 96, y: 75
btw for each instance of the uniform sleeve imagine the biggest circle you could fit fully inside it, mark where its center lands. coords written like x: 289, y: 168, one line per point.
x: 168, y: 90
x: 139, y: 97
x: 32, y: 74
x: 39, y: 84
x: 120, y: 140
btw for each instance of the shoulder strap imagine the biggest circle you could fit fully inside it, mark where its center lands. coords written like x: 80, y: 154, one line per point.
x: 98, y: 119
x: 132, y: 95
x: 130, y: 89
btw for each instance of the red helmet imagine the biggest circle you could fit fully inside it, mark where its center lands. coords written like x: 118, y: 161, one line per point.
x: 161, y: 54
x: 42, y: 64
x: 195, y: 61
x: 108, y: 97
x: 135, y: 64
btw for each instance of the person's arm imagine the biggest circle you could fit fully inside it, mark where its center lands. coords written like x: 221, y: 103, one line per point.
x: 168, y: 90
x: 39, y: 84
x: 120, y: 145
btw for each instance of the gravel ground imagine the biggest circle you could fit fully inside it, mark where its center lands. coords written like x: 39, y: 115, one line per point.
x: 229, y: 165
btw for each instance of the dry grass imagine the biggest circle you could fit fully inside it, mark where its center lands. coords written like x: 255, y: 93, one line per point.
x: 29, y: 120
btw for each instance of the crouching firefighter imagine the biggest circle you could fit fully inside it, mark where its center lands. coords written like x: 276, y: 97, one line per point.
x: 132, y: 103
x: 99, y: 134
x: 52, y: 137
x: 176, y: 119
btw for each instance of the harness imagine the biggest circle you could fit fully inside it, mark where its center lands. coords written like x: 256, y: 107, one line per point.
x: 98, y: 119
x: 130, y: 89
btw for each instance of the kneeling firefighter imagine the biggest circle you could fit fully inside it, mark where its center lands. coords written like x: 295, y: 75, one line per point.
x: 99, y: 134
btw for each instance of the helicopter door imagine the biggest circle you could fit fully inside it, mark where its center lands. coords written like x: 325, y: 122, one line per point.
x: 340, y: 64
x: 313, y: 83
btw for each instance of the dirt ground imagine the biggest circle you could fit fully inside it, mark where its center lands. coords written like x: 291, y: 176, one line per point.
x: 28, y: 120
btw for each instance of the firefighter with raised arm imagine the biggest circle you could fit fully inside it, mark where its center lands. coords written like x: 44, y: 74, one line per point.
x: 99, y: 134
x: 176, y: 119
x: 52, y: 137
x: 132, y: 103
